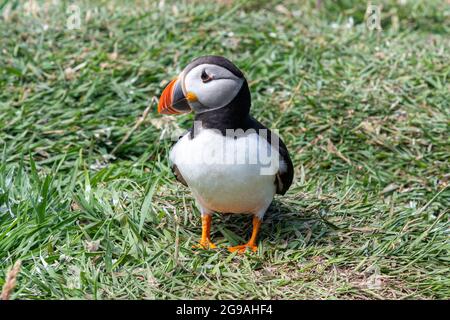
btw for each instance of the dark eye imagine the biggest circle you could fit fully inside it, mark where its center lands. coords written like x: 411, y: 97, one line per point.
x: 205, y: 77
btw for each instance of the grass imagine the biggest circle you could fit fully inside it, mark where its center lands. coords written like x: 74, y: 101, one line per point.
x: 365, y: 116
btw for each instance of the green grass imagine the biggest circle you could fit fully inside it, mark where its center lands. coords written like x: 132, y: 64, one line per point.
x: 365, y: 116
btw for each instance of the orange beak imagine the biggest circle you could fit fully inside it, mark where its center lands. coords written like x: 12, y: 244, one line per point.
x: 172, y: 100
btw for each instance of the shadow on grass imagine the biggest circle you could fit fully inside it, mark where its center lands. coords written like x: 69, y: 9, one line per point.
x: 283, y: 225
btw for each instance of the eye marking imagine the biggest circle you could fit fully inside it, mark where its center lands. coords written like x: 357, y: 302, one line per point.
x: 206, y: 77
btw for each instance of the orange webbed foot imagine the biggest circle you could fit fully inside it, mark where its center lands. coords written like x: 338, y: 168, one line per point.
x: 205, y: 244
x: 243, y: 248
x: 251, y: 243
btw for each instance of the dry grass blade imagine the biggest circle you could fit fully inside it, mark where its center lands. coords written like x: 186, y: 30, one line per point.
x: 136, y: 125
x: 10, y: 282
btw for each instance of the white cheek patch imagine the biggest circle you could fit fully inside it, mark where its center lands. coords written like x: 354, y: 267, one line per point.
x: 213, y: 94
x: 218, y: 93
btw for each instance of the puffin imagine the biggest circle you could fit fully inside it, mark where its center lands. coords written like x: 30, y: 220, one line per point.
x: 230, y: 162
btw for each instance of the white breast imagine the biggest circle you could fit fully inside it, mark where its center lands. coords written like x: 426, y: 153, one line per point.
x: 227, y: 174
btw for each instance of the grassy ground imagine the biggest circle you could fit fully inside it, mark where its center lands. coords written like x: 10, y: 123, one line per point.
x: 365, y: 116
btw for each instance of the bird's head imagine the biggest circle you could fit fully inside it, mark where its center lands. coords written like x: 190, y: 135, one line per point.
x: 206, y: 84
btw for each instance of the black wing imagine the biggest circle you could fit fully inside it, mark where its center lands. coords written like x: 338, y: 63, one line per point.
x: 285, y: 175
x: 178, y: 175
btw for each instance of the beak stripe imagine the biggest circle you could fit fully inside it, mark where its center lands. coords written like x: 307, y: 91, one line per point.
x: 172, y: 100
x: 165, y: 101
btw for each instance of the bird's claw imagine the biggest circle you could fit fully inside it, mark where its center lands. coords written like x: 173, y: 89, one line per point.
x: 243, y: 248
x: 205, y: 244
